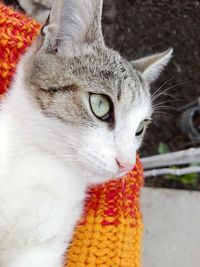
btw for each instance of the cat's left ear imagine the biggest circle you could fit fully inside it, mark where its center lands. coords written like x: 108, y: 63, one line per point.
x: 152, y: 66
x: 72, y: 23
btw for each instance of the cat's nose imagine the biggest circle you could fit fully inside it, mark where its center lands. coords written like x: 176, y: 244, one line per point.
x: 124, y: 166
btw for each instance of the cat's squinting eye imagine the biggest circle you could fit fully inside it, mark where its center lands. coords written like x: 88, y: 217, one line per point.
x: 142, y: 126
x: 100, y: 106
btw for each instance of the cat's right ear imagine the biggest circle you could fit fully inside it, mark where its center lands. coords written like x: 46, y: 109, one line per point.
x: 72, y: 23
x: 152, y: 66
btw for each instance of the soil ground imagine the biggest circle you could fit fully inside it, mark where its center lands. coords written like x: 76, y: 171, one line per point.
x: 137, y: 28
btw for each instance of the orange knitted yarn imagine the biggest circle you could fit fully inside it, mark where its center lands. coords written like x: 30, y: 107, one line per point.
x: 16, y: 33
x: 109, y: 234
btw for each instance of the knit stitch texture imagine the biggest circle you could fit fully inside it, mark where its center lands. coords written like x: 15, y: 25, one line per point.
x: 109, y: 232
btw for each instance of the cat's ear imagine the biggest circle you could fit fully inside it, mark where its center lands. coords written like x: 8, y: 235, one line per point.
x: 71, y: 23
x: 151, y: 66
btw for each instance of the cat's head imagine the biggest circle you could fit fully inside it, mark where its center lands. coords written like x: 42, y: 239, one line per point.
x: 96, y: 104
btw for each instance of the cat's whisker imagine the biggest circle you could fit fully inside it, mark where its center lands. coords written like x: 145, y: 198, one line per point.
x: 164, y: 113
x: 169, y: 101
x: 62, y: 143
x: 60, y: 156
x: 165, y: 107
x: 164, y: 102
x: 62, y: 140
x: 169, y: 95
x: 167, y: 89
x: 88, y: 157
x: 166, y: 82
x: 66, y: 158
x: 158, y: 107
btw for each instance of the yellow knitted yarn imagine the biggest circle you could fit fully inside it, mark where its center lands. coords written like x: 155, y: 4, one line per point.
x: 109, y: 233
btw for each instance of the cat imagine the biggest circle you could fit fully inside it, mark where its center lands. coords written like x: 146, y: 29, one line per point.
x: 75, y: 115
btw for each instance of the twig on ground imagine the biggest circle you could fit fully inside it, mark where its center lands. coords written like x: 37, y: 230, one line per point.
x: 188, y: 156
x: 177, y: 172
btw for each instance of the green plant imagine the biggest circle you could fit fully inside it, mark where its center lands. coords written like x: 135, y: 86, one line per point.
x: 186, y: 179
x: 163, y: 148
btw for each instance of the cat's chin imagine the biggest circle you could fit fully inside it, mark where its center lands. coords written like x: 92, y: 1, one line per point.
x: 97, y: 179
x: 93, y: 178
x: 121, y: 174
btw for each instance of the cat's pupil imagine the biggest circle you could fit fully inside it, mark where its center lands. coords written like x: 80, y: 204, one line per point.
x: 100, y: 103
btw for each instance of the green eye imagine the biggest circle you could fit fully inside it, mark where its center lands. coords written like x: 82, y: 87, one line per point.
x: 140, y: 129
x: 100, y: 105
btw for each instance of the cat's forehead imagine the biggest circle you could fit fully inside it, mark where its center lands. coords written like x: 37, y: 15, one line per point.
x: 100, y: 70
x: 103, y: 64
x: 110, y: 73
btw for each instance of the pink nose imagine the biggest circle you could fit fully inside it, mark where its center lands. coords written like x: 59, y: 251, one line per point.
x: 124, y: 166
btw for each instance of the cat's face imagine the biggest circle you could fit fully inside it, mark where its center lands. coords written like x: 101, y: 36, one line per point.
x: 102, y: 104
x: 96, y: 104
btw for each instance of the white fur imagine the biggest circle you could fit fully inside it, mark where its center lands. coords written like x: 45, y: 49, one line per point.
x: 40, y: 196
